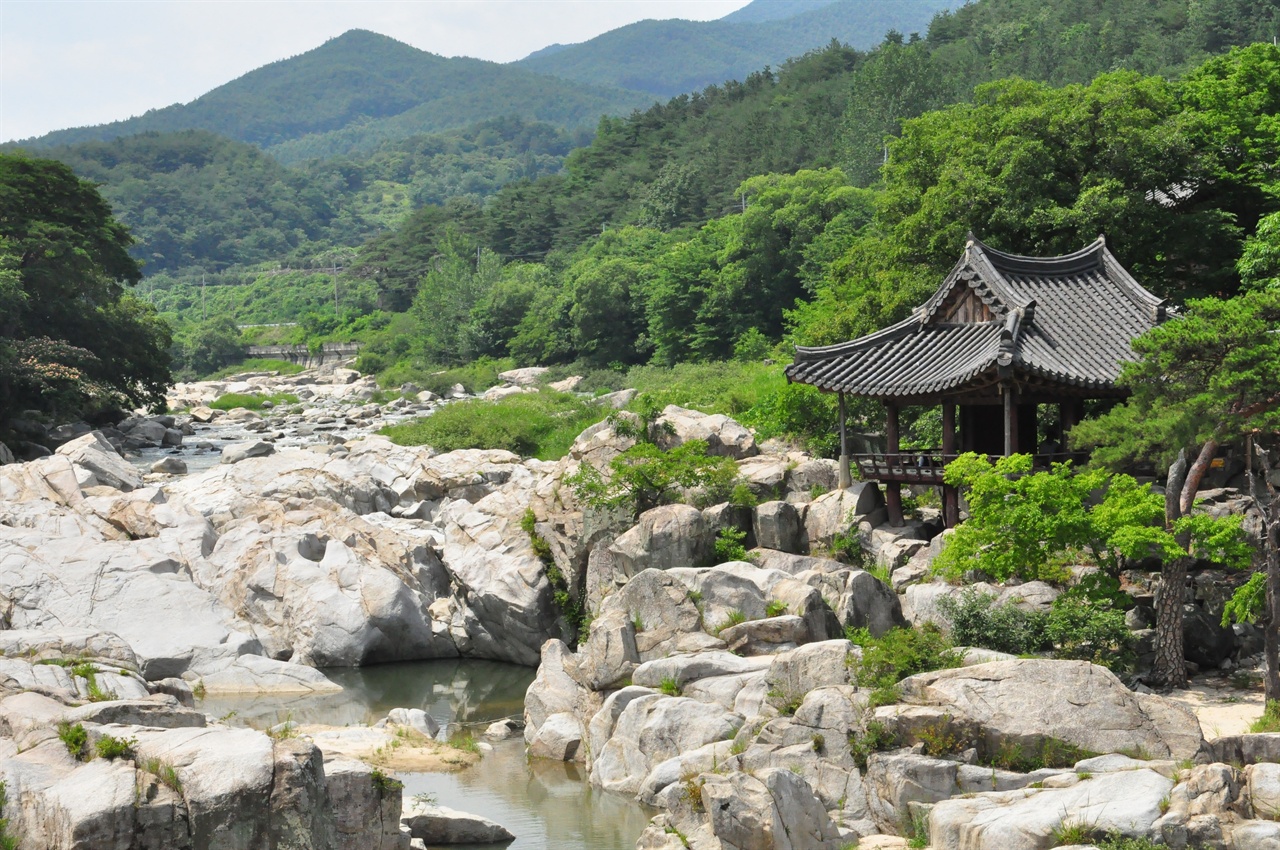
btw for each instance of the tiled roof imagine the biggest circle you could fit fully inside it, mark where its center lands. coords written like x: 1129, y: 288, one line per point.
x: 1065, y: 321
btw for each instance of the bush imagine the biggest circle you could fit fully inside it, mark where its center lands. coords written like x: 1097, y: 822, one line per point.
x: 645, y: 476
x: 976, y: 620
x: 729, y: 545
x: 75, y: 738
x: 1084, y: 631
x: 900, y: 653
x: 542, y: 425
x: 384, y: 784
x: 110, y: 747
x: 725, y: 387
x: 251, y: 401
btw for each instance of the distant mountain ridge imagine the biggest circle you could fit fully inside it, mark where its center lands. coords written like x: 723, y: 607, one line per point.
x: 672, y: 57
x: 363, y: 78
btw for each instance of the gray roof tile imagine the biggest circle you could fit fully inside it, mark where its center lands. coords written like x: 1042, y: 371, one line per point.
x: 1066, y: 320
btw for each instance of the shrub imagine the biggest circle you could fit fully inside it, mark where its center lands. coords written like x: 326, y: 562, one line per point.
x: 876, y: 738
x: 542, y: 425
x: 110, y: 747
x: 776, y: 608
x: 670, y: 686
x: 729, y: 545
x: 1088, y: 632
x: 741, y: 496
x: 645, y: 476
x: 75, y: 738
x: 900, y: 653
x: 976, y: 620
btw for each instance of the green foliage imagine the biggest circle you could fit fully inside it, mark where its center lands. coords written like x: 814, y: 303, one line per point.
x: 876, y: 738
x: 75, y: 739
x: 1116, y: 841
x: 7, y: 841
x: 741, y: 496
x: 776, y: 608
x: 110, y: 747
x: 1203, y: 375
x: 1085, y: 631
x: 1248, y: 602
x: 670, y: 686
x: 1072, y: 831
x: 1020, y: 521
x: 729, y: 545
x: 252, y: 401
x: 1026, y: 758
x: 918, y: 832
x: 644, y: 476
x: 735, y: 617
x: 900, y: 653
x: 1270, y: 719
x: 165, y: 772
x: 542, y: 425
x: 384, y: 784
x: 977, y: 621
x: 72, y: 339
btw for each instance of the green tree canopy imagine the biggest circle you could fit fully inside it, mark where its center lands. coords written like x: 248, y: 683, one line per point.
x: 71, y: 337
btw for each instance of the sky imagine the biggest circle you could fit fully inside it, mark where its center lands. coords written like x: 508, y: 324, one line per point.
x: 69, y: 63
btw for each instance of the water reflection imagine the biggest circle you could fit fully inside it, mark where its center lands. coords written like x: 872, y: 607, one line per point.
x: 451, y: 691
x: 548, y: 805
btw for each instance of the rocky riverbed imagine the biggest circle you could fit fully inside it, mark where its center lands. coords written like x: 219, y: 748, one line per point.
x: 720, y: 694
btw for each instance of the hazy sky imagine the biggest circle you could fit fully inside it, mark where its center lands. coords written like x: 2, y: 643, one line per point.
x: 66, y: 63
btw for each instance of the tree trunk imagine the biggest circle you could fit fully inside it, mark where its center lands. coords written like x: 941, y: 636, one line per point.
x: 1270, y: 619
x: 1171, y: 667
x: 1194, y: 476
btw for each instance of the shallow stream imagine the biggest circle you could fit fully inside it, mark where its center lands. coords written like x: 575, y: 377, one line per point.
x: 548, y: 805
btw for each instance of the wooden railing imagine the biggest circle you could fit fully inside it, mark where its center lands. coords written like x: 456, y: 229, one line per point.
x: 927, y: 467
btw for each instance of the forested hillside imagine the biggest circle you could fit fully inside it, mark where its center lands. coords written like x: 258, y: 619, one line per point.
x: 671, y: 57
x: 364, y: 80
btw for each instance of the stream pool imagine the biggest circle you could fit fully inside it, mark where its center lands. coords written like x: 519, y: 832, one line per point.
x: 548, y: 805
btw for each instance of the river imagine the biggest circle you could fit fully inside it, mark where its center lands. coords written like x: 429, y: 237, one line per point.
x: 548, y: 805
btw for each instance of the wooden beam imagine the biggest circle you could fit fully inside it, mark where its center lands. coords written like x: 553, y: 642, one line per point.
x: 950, y: 496
x: 892, y: 489
x: 1010, y: 421
x: 846, y: 478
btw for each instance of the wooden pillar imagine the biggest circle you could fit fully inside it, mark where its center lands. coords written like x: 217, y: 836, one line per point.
x: 893, y: 489
x: 1010, y: 420
x: 950, y: 496
x: 846, y: 477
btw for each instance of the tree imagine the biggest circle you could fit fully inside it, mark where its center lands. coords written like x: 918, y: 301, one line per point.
x: 71, y: 338
x: 1202, y: 379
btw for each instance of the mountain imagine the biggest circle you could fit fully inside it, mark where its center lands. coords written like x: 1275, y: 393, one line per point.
x: 667, y: 58
x: 364, y: 79
x: 759, y: 11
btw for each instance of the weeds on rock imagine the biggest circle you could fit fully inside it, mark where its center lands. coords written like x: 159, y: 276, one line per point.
x: 165, y: 772
x: 384, y: 783
x: 900, y: 653
x: 110, y: 747
x: 938, y: 738
x: 1073, y: 832
x: 776, y: 608
x: 918, y: 831
x: 691, y: 793
x: 1051, y: 752
x: 75, y: 738
x: 876, y: 738
x: 466, y: 743
x: 7, y: 841
x: 670, y: 686
x: 578, y: 620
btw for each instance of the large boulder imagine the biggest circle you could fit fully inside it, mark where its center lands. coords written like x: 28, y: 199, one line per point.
x: 778, y: 526
x: 1126, y: 803
x: 775, y: 808
x: 652, y: 616
x: 840, y: 511
x: 723, y: 436
x: 652, y: 729
x: 664, y: 538
x: 1034, y: 703
x: 442, y: 825
x: 97, y: 462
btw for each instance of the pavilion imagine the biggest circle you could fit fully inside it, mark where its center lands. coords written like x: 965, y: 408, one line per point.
x: 1003, y: 334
